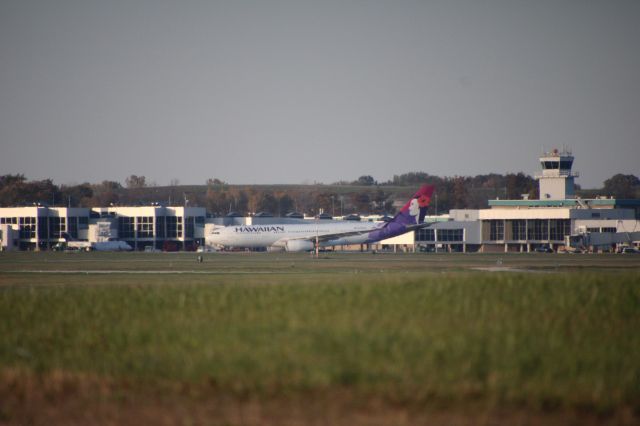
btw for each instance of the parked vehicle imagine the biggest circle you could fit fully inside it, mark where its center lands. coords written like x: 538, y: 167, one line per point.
x: 543, y: 249
x: 629, y: 250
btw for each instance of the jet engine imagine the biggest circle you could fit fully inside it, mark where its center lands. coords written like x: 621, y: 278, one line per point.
x: 299, y: 245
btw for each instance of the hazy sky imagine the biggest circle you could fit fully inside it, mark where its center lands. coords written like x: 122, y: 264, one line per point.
x: 301, y: 91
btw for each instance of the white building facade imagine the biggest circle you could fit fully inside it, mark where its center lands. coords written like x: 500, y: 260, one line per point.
x: 156, y: 227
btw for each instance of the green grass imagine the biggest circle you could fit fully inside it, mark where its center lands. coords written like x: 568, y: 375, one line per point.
x: 562, y: 339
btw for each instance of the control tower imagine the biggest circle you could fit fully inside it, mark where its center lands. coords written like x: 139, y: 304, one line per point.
x: 556, y: 178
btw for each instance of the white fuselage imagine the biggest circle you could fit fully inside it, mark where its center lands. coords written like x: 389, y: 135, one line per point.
x: 112, y: 246
x: 99, y: 246
x: 279, y: 235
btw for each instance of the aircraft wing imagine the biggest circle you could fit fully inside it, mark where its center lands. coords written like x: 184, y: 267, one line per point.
x: 336, y: 235
x: 323, y: 237
x: 419, y: 226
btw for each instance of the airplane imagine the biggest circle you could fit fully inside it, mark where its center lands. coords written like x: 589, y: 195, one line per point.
x: 72, y: 243
x: 307, y: 237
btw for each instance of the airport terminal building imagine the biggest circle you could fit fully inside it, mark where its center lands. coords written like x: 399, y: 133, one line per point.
x: 142, y: 227
x: 524, y: 225
x: 554, y: 220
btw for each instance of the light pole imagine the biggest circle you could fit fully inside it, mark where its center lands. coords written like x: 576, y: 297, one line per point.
x: 436, y: 194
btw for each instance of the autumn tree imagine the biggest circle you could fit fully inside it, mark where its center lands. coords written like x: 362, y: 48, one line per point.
x: 10, y: 188
x: 106, y: 193
x: 239, y: 200
x: 365, y: 180
x: 253, y: 199
x: 381, y: 201
x: 135, y: 181
x: 285, y: 205
x: 519, y: 184
x: 268, y: 203
x: 324, y: 201
x: 78, y: 195
x: 215, y: 182
x: 622, y: 186
x: 460, y: 193
x: 217, y: 201
x: 361, y: 201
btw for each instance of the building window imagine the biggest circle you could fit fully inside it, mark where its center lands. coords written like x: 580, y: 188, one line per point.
x: 189, y: 227
x: 27, y: 227
x: 160, y: 232
x: 519, y: 228
x: 57, y: 225
x: 200, y: 221
x: 73, y: 227
x: 83, y: 222
x: 538, y: 229
x: 558, y: 228
x: 450, y: 234
x: 126, y: 227
x: 496, y: 230
x: 612, y: 230
x: 174, y: 226
x: 145, y: 226
x: 425, y: 235
x: 43, y: 229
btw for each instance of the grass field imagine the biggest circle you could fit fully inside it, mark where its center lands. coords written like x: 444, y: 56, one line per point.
x: 344, y: 339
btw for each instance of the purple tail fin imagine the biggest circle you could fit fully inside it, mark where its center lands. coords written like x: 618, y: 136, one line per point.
x: 415, y: 210
x: 408, y: 218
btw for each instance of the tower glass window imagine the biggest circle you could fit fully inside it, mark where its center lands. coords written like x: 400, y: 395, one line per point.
x: 565, y: 164
x: 519, y: 229
x: 538, y: 229
x: 496, y: 230
x: 425, y: 235
x: 450, y: 234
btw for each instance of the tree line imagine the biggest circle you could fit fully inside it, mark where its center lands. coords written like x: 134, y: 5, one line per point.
x: 364, y: 195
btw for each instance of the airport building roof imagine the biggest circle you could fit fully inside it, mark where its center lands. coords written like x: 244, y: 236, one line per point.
x: 569, y: 202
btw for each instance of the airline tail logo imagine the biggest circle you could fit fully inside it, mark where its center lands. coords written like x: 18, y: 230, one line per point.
x: 410, y: 215
x: 415, y: 210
